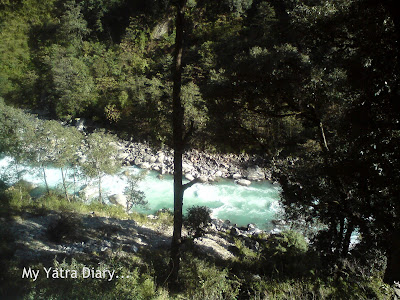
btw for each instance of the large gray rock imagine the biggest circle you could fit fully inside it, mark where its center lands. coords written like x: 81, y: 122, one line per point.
x: 189, y: 177
x: 118, y: 199
x: 144, y: 165
x: 203, y: 179
x: 89, y: 192
x: 236, y: 176
x: 187, y: 168
x: 243, y: 182
x: 123, y: 155
x: 255, y: 174
x: 218, y: 174
x: 160, y: 157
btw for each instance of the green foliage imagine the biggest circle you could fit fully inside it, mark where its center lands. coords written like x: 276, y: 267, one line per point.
x: 16, y: 132
x: 134, y: 196
x: 206, y: 281
x: 197, y: 220
x: 130, y: 284
x: 285, y: 254
x: 100, y: 152
x: 73, y: 26
x: 165, y: 217
x: 71, y: 86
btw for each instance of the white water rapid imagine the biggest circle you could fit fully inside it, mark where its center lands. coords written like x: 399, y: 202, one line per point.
x: 257, y: 203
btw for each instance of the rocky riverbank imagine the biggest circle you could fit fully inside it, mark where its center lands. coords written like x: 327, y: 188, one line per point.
x: 207, y: 167
x: 242, y: 168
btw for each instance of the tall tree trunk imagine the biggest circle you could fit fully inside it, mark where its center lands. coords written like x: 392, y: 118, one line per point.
x: 74, y: 184
x: 392, y: 272
x: 45, y: 180
x: 178, y: 143
x: 64, y: 185
x: 347, y: 238
x: 100, y: 196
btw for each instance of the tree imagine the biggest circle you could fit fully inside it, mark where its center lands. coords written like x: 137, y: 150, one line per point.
x: 17, y: 130
x: 134, y: 197
x: 61, y: 144
x: 179, y: 141
x: 73, y: 27
x: 100, y: 153
x: 198, y: 219
x: 71, y: 88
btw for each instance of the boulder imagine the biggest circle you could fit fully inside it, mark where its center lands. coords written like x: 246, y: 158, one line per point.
x: 123, y: 155
x: 235, y: 231
x: 243, y: 182
x: 236, y: 176
x: 118, y: 199
x: 88, y: 192
x: 218, y: 174
x: 251, y: 227
x: 187, y: 168
x: 189, y: 177
x: 203, y: 179
x: 255, y: 173
x: 144, y: 165
x: 160, y: 157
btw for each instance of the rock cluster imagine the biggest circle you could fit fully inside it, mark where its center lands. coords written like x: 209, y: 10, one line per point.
x: 205, y: 166
x: 242, y: 168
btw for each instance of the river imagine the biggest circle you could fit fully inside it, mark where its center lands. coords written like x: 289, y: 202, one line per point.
x: 257, y: 203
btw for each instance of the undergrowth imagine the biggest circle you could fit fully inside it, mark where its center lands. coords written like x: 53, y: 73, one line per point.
x: 281, y: 267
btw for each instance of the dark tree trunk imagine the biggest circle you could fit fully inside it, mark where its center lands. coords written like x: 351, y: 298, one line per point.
x: 392, y: 272
x: 178, y: 143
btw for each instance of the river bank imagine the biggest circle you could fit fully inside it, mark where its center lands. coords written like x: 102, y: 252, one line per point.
x: 208, y: 167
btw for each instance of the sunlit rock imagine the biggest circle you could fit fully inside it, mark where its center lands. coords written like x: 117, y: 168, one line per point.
x: 243, y: 182
x: 88, y: 192
x: 203, y: 179
x: 189, y: 177
x: 118, y: 199
x: 255, y: 173
x: 236, y: 176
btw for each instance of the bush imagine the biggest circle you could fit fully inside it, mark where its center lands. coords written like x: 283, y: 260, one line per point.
x: 206, y: 281
x: 165, y: 218
x: 197, y: 220
x: 131, y: 285
x: 65, y: 228
x: 284, y: 254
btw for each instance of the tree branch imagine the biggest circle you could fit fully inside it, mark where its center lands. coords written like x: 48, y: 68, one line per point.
x: 189, y: 184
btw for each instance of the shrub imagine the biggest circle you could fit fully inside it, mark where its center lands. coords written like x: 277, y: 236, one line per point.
x: 165, y: 217
x: 64, y: 228
x: 197, y: 220
x: 206, y: 281
x: 284, y: 254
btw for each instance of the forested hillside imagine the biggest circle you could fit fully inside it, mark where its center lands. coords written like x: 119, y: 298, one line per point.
x: 312, y: 84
